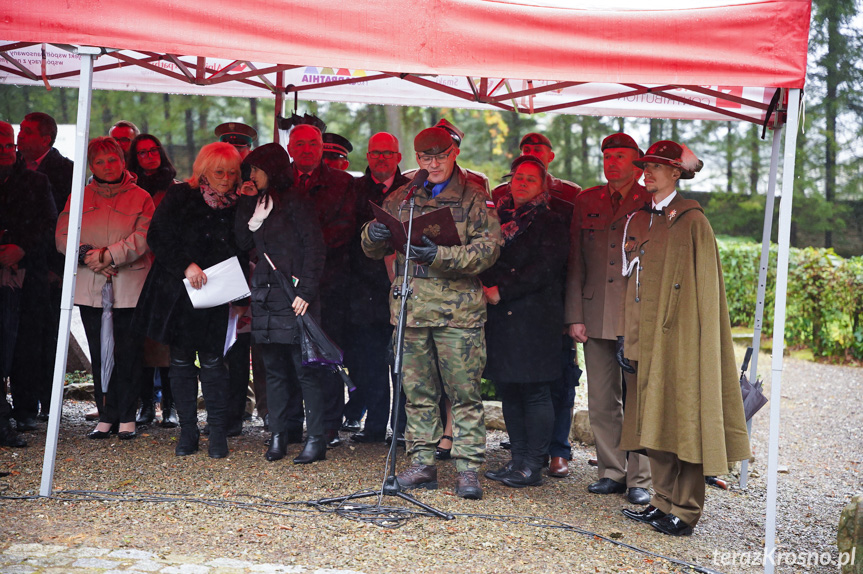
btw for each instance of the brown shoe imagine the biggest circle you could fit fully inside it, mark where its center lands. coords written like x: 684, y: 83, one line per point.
x: 92, y: 415
x: 559, y: 467
x: 418, y: 476
x: 467, y: 485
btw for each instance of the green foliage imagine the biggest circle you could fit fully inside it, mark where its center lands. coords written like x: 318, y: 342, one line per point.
x: 824, y: 307
x: 487, y: 390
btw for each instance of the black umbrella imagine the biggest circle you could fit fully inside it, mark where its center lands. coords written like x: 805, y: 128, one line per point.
x: 753, y: 396
x: 318, y: 349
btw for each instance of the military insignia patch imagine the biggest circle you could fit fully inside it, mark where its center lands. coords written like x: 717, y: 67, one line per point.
x: 489, y: 204
x: 432, y: 231
x: 672, y: 214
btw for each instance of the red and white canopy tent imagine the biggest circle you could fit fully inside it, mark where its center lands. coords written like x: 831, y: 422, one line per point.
x: 713, y: 59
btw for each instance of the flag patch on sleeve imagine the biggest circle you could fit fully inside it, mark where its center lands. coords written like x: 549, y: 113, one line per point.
x: 489, y: 204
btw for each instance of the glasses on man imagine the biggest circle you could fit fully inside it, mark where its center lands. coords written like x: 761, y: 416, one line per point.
x: 124, y: 140
x: 424, y: 159
x: 8, y: 147
x: 145, y: 152
x: 381, y: 154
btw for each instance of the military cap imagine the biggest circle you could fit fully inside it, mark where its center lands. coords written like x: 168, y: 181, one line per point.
x: 456, y: 134
x: 433, y: 141
x: 621, y: 140
x: 534, y: 138
x: 667, y: 152
x: 334, y: 143
x: 236, y: 133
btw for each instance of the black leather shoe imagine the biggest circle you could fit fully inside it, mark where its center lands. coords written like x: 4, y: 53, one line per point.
x: 278, y: 447
x: 8, y: 437
x: 441, y: 453
x: 188, y: 443
x: 27, y: 424
x: 169, y: 418
x: 267, y: 421
x: 366, y: 435
x: 671, y: 525
x: 146, y: 414
x: 99, y: 435
x: 127, y: 435
x: 522, y: 477
x: 235, y: 428
x: 500, y: 473
x: 637, y: 495
x: 351, y: 425
x: 218, y: 444
x: 43, y: 416
x: 315, y: 449
x: 647, y: 515
x: 505, y: 444
x: 332, y: 438
x: 606, y: 486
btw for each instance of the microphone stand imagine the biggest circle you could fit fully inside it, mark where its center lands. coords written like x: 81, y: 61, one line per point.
x: 391, y: 486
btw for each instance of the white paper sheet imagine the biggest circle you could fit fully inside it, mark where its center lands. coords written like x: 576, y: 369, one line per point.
x: 226, y: 282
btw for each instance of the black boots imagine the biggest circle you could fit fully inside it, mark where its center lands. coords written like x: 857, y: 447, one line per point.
x: 315, y: 449
x: 218, y: 447
x: 147, y: 413
x: 188, y: 443
x: 278, y: 446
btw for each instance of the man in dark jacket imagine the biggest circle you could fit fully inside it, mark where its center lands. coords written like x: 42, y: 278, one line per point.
x: 370, y: 330
x: 27, y: 221
x: 332, y: 194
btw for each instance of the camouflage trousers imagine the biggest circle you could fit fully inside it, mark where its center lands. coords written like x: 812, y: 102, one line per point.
x: 455, y: 358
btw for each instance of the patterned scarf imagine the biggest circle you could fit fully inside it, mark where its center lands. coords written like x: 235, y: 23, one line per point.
x: 515, y: 221
x: 215, y: 199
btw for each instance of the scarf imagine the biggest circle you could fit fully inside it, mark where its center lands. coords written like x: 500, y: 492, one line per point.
x: 515, y: 220
x: 215, y: 199
x: 159, y: 181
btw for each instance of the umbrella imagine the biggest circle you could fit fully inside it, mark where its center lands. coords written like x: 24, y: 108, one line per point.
x: 753, y: 397
x: 107, y: 334
x: 317, y: 348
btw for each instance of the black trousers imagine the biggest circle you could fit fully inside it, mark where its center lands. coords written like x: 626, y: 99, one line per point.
x: 529, y: 416
x: 32, y: 366
x: 184, y: 384
x: 283, y: 364
x: 367, y: 357
x: 120, y: 403
x: 238, y: 359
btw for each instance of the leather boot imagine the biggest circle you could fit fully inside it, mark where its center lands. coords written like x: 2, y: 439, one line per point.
x: 169, y: 416
x: 188, y: 443
x: 278, y: 446
x: 315, y: 449
x: 218, y: 447
x: 147, y: 413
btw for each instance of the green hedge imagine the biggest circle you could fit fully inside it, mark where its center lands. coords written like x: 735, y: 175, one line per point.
x: 825, y: 296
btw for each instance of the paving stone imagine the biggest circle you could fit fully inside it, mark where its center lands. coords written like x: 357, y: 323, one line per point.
x: 123, y: 572
x: 187, y: 569
x: 277, y: 569
x: 229, y: 563
x: 332, y: 571
x: 18, y: 569
x: 148, y: 566
x: 183, y: 559
x: 132, y: 553
x: 34, y: 549
x: 88, y: 552
x: 53, y: 560
x: 95, y: 563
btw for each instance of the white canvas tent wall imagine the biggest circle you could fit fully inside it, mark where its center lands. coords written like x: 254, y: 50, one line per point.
x: 530, y: 55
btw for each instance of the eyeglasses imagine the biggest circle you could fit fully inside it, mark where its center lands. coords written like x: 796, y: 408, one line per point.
x: 383, y: 154
x: 222, y: 174
x: 145, y: 152
x: 8, y: 147
x: 124, y: 140
x: 428, y: 159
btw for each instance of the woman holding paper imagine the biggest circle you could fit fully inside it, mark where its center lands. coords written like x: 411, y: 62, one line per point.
x: 112, y: 267
x: 282, y: 226
x: 192, y: 230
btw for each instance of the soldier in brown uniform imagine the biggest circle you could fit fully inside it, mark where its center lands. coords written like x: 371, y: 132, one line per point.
x: 594, y: 298
x: 683, y: 402
x: 445, y: 314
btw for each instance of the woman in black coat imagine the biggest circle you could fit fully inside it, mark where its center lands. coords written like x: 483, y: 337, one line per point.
x: 524, y: 290
x: 193, y: 229
x: 281, y: 224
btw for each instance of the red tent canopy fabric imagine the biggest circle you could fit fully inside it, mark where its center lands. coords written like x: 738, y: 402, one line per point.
x: 707, y: 42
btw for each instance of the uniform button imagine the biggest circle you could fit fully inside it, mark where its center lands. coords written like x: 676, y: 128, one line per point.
x: 509, y: 312
x: 612, y: 262
x: 637, y: 299
x: 613, y: 227
x: 642, y: 251
x: 677, y: 285
x: 416, y: 297
x: 512, y: 270
x: 612, y: 245
x: 611, y: 280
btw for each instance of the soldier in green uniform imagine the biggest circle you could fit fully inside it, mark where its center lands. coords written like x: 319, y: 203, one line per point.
x: 445, y: 314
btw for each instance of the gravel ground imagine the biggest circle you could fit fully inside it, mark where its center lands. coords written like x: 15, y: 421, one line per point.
x: 246, y: 508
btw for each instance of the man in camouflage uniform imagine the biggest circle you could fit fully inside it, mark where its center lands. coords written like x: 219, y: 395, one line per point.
x: 445, y: 313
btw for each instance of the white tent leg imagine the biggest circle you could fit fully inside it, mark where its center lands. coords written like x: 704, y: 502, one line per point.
x: 779, y: 324
x: 762, y: 279
x: 85, y: 94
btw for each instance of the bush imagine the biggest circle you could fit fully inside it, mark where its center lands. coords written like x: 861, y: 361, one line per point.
x: 824, y: 304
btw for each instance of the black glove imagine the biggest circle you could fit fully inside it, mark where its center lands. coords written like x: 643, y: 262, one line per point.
x: 621, y: 360
x: 378, y: 231
x: 426, y: 253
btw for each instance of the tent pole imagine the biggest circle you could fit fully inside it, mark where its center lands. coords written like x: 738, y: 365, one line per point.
x: 280, y: 104
x: 82, y: 130
x: 779, y: 323
x: 762, y: 277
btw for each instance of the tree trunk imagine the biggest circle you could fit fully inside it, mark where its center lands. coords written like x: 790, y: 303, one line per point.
x: 253, y: 111
x: 395, y: 126
x: 755, y: 159
x: 831, y: 81
x: 190, y: 139
x: 729, y: 158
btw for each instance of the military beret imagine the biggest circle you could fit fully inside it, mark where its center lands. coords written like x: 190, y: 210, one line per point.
x: 620, y: 140
x: 456, y: 134
x: 432, y: 141
x: 671, y: 153
x: 6, y: 130
x: 534, y: 139
x: 337, y: 144
x: 236, y: 133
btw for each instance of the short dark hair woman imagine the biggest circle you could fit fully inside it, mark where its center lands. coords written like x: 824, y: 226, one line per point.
x: 113, y: 249
x: 148, y: 161
x: 524, y: 290
x: 193, y: 229
x: 282, y: 225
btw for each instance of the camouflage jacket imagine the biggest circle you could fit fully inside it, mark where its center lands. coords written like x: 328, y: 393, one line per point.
x: 451, y: 295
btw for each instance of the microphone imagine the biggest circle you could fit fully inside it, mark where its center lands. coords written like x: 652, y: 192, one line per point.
x: 418, y: 180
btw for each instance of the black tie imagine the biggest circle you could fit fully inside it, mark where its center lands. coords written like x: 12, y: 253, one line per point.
x: 304, y: 181
x: 615, y: 201
x: 649, y: 209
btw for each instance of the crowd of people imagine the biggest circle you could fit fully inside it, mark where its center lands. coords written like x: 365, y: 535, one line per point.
x: 502, y: 284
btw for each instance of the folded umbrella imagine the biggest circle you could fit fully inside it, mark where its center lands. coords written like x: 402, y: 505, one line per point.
x: 753, y: 395
x: 107, y: 334
x: 317, y: 348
